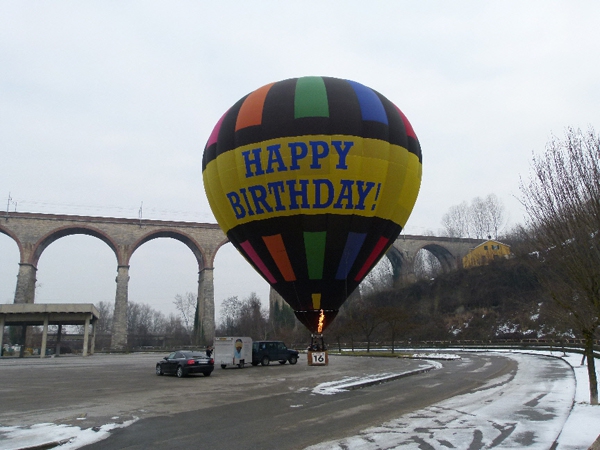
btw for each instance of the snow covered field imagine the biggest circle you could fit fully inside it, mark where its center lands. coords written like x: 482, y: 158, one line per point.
x: 495, y: 416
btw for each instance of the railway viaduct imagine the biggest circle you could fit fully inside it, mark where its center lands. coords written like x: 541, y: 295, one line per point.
x: 34, y: 232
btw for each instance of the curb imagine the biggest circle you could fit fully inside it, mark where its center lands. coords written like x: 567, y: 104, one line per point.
x: 386, y: 379
x: 45, y: 446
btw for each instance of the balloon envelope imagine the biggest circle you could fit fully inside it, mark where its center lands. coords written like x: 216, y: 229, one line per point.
x: 312, y: 179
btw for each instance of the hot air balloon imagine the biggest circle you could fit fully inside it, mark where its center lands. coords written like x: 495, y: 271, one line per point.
x: 312, y: 179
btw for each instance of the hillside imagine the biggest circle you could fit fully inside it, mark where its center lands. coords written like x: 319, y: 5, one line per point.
x: 503, y: 300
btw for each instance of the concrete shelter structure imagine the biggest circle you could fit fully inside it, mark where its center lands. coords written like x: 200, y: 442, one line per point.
x: 29, y: 314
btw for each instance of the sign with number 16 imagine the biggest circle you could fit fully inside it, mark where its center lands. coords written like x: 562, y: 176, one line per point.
x: 318, y: 358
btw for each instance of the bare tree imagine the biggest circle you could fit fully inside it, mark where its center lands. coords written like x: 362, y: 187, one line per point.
x: 495, y: 214
x: 141, y: 323
x: 365, y: 318
x: 253, y: 319
x: 396, y: 319
x: 158, y: 323
x: 338, y: 329
x: 133, y: 317
x: 244, y: 317
x: 230, y: 311
x: 105, y: 309
x: 562, y: 200
x: 456, y: 221
x: 479, y: 218
x: 174, y: 330
x: 186, y: 305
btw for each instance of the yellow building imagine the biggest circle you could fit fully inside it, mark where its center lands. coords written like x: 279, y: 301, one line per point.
x: 486, y: 252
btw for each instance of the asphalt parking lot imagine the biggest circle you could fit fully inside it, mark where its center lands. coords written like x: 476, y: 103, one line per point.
x: 481, y: 397
x: 98, y: 389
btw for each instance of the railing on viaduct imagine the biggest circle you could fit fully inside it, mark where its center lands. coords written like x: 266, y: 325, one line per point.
x: 34, y: 232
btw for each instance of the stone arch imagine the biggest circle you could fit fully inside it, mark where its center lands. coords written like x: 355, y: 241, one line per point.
x: 205, y: 258
x: 12, y: 235
x: 188, y: 241
x: 403, y: 253
x: 31, y: 253
x: 43, y: 243
x: 442, y: 254
x: 217, y: 248
x: 397, y: 260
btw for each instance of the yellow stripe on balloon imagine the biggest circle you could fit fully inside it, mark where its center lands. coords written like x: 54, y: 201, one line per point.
x: 316, y: 301
x: 371, y: 179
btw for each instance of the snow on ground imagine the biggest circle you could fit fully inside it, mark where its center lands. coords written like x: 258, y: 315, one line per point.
x: 349, y: 383
x: 434, y: 355
x: 442, y: 356
x: 68, y: 437
x: 503, y: 414
x: 583, y: 426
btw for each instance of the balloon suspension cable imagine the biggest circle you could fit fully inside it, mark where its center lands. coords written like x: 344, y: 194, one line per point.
x: 295, y: 291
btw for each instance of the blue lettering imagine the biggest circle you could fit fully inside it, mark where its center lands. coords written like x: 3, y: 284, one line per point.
x: 299, y: 151
x: 316, y: 155
x: 342, y: 152
x: 238, y: 209
x: 275, y: 157
x: 254, y: 161
x: 276, y: 188
x: 329, y: 186
x: 363, y: 190
x: 243, y: 192
x: 259, y: 197
x: 294, y: 193
x: 345, y: 194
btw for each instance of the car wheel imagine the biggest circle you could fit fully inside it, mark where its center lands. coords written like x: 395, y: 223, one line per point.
x: 223, y: 366
x: 265, y: 361
x: 254, y: 363
x: 282, y: 361
x: 293, y: 359
x: 159, y: 370
x: 207, y: 374
x: 179, y: 372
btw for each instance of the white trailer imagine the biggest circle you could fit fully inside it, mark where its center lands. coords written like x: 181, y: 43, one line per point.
x: 233, y: 350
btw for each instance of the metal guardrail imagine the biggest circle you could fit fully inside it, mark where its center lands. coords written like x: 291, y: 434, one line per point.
x: 571, y: 345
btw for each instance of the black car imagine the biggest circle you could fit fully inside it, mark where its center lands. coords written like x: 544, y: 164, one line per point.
x: 185, y: 362
x: 264, y: 352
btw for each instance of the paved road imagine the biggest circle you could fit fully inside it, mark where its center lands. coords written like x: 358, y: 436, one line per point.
x: 528, y: 409
x: 254, y: 407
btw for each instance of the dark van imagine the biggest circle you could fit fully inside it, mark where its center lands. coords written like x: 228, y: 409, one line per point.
x: 264, y: 352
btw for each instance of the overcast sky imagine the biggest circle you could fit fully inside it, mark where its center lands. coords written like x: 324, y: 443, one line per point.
x: 105, y: 107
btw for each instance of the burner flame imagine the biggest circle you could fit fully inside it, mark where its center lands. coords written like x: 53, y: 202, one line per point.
x: 321, y: 322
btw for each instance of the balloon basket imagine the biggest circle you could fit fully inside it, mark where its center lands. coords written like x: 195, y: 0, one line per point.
x: 317, y: 352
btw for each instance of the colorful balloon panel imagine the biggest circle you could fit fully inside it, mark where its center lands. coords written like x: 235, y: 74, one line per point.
x: 312, y: 179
